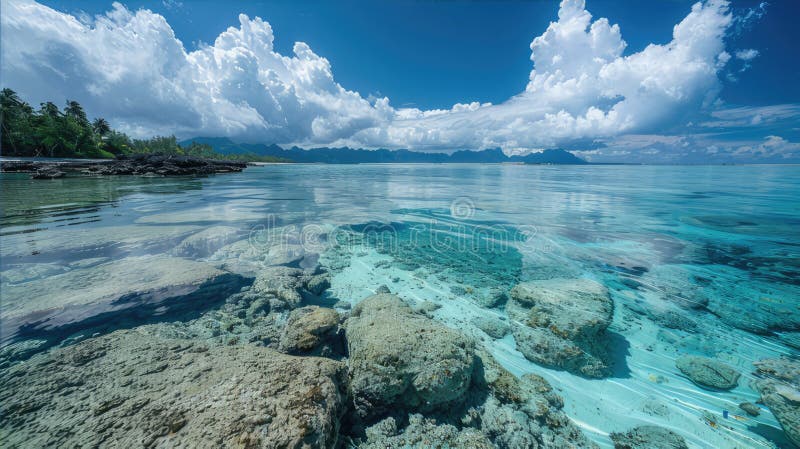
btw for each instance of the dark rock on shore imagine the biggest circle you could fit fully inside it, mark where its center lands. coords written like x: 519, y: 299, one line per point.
x: 157, y: 164
x: 138, y: 164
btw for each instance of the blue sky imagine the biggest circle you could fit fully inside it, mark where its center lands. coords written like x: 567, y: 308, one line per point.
x: 426, y: 56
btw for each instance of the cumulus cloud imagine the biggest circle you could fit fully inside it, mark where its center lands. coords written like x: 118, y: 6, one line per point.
x: 582, y: 86
x: 129, y: 67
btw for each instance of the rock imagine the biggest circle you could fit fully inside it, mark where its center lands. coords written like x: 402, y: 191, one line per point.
x: 382, y: 289
x: 494, y: 298
x: 74, y: 243
x: 519, y: 413
x: 130, y: 388
x: 206, y: 242
x: 284, y: 287
x: 422, y: 433
x: 426, y: 307
x: 561, y: 323
x: 401, y: 360
x: 780, y: 392
x: 493, y: 327
x: 318, y: 284
x: 707, y: 372
x: 48, y: 173
x: 312, y: 330
x: 750, y: 408
x: 274, y: 247
x: 648, y: 437
x: 131, y: 288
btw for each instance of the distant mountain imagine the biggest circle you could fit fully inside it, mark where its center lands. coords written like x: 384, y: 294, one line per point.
x: 347, y: 155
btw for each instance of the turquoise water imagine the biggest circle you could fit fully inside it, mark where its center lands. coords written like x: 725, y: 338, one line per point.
x: 698, y: 260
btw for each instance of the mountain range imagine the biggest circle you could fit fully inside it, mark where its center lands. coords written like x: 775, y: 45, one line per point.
x: 347, y: 155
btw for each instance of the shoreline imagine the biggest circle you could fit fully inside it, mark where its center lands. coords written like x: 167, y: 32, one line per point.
x: 138, y: 165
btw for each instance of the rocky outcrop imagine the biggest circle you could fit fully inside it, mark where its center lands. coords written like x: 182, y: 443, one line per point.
x: 312, y: 330
x: 137, y: 164
x: 401, y: 360
x: 130, y: 288
x: 133, y: 389
x: 454, y: 394
x: 779, y: 386
x: 708, y: 373
x: 648, y: 437
x: 561, y: 323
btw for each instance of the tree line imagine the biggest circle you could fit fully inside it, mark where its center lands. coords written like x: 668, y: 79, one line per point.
x: 68, y: 133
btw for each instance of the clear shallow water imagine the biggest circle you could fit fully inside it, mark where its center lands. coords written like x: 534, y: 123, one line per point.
x: 662, y: 239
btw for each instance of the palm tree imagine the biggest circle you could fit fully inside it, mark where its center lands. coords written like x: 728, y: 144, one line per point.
x: 101, y: 127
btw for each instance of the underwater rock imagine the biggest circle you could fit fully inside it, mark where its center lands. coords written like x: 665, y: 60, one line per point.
x: 499, y: 411
x: 135, y: 286
x: 648, y: 437
x: 401, y: 360
x: 494, y: 327
x: 284, y: 287
x: 276, y: 247
x: 780, y: 392
x: 73, y: 243
x: 26, y: 272
x: 206, y: 241
x: 312, y: 330
x: 561, y: 323
x: 422, y: 433
x: 493, y: 298
x: 750, y: 408
x: 132, y: 389
x: 519, y: 413
x: 707, y: 372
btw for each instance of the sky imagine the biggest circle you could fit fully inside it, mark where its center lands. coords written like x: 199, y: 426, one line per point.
x: 665, y: 81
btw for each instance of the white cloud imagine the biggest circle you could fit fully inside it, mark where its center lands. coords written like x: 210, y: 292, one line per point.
x: 583, y: 87
x: 747, y: 55
x: 129, y: 67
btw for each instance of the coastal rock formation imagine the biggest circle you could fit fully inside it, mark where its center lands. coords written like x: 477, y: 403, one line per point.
x: 707, y: 372
x: 401, y: 360
x: 312, y: 330
x: 137, y: 164
x: 137, y: 287
x: 132, y: 389
x: 648, y: 437
x: 561, y: 323
x: 779, y: 387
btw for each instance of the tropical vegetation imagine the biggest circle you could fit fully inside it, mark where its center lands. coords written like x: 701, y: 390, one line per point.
x: 68, y: 133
